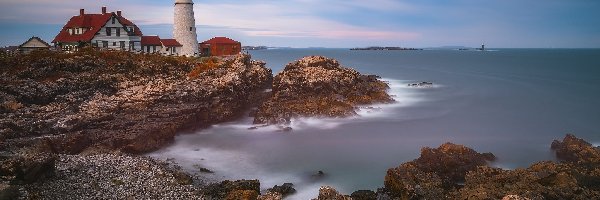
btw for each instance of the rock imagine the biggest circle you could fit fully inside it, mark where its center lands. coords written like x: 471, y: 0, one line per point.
x: 578, y: 178
x: 237, y: 188
x: 573, y: 149
x: 271, y: 196
x: 329, y: 193
x: 514, y: 197
x: 364, y: 195
x: 8, y: 191
x: 121, y: 101
x: 436, y: 173
x: 28, y: 168
x: 242, y: 195
x: 285, y: 190
x: 316, y: 86
x: 182, y: 178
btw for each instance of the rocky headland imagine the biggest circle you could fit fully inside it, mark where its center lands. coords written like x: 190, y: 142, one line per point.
x: 317, y: 86
x: 101, y: 102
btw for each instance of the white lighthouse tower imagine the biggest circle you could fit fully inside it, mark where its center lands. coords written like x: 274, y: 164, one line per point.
x: 184, y: 29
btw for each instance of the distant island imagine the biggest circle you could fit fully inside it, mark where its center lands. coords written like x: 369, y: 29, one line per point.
x: 255, y: 48
x: 386, y: 49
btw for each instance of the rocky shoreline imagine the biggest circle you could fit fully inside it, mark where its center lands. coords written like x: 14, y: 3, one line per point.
x: 72, y: 126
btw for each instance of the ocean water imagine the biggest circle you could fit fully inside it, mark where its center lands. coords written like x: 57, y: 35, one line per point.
x: 511, y: 102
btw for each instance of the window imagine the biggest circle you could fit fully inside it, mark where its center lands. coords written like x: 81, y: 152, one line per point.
x: 105, y: 44
x: 114, y: 44
x: 191, y: 28
x: 113, y: 20
x: 122, y: 44
x: 108, y: 31
x: 118, y: 32
x: 147, y: 49
x: 131, y: 45
x: 70, y: 31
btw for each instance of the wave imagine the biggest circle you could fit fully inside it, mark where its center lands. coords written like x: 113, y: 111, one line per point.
x: 403, y: 95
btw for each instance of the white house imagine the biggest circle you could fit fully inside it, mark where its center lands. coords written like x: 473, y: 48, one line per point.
x: 34, y: 43
x: 167, y: 47
x: 104, y: 30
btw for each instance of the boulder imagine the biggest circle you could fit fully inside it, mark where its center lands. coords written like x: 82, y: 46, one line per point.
x: 285, y: 190
x: 317, y: 86
x: 239, y: 188
x: 364, y: 195
x: 436, y: 173
x: 330, y: 193
x: 573, y: 149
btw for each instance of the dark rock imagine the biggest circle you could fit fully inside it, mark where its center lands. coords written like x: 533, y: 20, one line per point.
x: 285, y: 190
x: 182, y: 177
x: 364, y: 195
x: 436, y: 173
x: 329, y: 193
x: 319, y: 87
x: 573, y: 149
x: 237, y: 188
x: 28, y: 169
x: 242, y: 195
x: 8, y: 191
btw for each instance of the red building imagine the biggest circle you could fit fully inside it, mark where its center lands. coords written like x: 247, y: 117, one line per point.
x: 220, y: 46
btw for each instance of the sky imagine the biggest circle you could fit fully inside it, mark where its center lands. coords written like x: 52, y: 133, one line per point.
x: 336, y: 23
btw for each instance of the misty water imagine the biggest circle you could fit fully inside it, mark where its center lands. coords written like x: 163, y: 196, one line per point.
x: 511, y: 102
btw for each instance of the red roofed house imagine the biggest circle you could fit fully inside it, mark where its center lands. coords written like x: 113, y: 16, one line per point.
x: 170, y: 47
x: 153, y: 44
x: 220, y: 46
x: 105, y: 30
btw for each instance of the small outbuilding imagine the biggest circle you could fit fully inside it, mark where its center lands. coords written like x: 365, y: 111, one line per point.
x: 34, y: 43
x: 220, y: 46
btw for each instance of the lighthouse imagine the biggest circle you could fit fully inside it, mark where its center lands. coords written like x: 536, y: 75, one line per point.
x: 184, y: 29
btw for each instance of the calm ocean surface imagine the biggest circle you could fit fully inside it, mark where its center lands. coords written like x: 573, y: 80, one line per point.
x: 511, y: 102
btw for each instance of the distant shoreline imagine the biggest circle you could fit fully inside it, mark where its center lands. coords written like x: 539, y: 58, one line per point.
x: 385, y: 49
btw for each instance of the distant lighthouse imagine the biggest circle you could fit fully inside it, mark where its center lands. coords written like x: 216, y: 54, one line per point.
x: 184, y: 29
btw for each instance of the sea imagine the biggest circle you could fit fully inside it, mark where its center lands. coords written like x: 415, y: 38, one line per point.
x: 510, y: 102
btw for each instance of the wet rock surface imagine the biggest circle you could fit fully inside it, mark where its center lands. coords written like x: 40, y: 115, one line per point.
x: 317, y: 86
x: 240, y: 189
x: 285, y: 190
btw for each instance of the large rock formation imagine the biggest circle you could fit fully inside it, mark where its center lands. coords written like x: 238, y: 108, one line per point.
x: 435, y: 174
x: 118, y: 100
x: 317, y: 86
x: 99, y: 102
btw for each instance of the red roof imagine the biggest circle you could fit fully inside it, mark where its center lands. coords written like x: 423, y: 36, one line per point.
x: 151, y: 41
x: 220, y: 40
x: 170, y: 43
x: 93, y: 22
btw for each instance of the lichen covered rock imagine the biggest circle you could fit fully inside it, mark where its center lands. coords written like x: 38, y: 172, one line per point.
x: 317, y: 86
x: 436, y: 173
x: 120, y: 101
